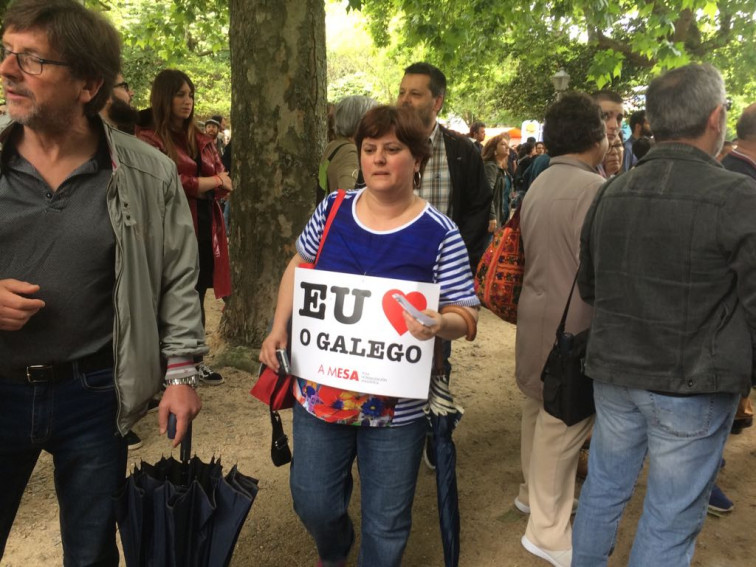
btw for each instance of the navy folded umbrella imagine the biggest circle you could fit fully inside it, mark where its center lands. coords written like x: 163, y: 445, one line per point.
x: 183, y: 513
x: 443, y: 415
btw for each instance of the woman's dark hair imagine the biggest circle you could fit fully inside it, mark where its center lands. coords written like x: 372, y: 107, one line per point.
x: 489, y: 150
x: 524, y: 149
x: 573, y: 124
x: 408, y: 127
x: 164, y: 88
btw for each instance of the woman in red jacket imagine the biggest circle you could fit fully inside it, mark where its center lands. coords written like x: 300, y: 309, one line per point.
x: 174, y: 132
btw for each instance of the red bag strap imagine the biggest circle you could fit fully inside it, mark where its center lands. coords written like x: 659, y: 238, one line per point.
x: 329, y: 221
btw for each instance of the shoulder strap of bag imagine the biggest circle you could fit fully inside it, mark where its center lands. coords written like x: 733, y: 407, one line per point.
x: 562, y: 323
x: 329, y: 221
x: 560, y: 329
x: 336, y: 150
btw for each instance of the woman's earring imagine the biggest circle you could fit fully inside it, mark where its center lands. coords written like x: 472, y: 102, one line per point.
x: 416, y: 179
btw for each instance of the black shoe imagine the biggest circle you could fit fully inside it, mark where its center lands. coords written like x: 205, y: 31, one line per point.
x: 740, y: 424
x: 429, y: 454
x: 208, y: 376
x: 133, y: 441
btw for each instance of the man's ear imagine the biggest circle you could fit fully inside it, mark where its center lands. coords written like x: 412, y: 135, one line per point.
x: 715, y: 118
x: 438, y: 102
x: 89, y: 89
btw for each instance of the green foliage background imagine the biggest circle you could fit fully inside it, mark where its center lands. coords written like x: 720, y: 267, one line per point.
x: 498, y: 56
x: 190, y: 35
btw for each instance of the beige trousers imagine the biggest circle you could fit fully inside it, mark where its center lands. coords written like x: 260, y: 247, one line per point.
x: 549, y: 455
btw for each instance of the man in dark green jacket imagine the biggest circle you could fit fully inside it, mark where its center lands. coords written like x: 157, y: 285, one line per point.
x: 668, y: 260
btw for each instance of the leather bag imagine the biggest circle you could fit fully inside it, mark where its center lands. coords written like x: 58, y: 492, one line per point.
x: 567, y: 391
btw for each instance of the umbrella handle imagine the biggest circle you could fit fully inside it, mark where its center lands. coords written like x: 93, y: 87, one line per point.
x: 186, y: 442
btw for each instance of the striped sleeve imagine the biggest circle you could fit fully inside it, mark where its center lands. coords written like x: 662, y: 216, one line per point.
x: 309, y: 241
x: 452, y: 272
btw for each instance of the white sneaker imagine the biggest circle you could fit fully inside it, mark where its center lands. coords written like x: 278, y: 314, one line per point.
x: 525, y: 509
x: 521, y: 506
x: 556, y: 558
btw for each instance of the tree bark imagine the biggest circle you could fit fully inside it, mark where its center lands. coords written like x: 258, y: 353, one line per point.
x: 278, y: 108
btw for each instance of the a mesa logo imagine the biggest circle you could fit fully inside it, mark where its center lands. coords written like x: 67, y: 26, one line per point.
x: 343, y: 373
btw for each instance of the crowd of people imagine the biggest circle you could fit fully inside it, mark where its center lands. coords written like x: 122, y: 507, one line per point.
x: 648, y: 240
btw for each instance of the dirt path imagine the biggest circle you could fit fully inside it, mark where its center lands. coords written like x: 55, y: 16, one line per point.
x: 236, y: 427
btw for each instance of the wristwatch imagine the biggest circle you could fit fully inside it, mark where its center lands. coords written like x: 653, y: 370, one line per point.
x: 191, y: 380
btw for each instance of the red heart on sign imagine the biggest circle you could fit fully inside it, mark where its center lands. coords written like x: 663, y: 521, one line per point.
x: 393, y: 310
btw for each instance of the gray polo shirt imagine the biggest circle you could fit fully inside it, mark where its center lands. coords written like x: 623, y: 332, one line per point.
x: 63, y: 241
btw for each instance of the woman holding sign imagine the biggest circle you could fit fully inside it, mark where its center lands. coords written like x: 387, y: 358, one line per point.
x: 382, y: 231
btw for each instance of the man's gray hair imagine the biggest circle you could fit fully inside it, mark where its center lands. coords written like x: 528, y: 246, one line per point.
x: 348, y: 113
x: 679, y: 102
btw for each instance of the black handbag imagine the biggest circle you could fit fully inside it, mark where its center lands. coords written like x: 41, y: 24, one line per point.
x: 567, y: 391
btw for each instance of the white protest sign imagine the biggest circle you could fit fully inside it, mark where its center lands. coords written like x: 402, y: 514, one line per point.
x: 348, y: 332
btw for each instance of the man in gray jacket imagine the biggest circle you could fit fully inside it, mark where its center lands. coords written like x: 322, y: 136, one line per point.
x: 97, y: 275
x: 668, y: 259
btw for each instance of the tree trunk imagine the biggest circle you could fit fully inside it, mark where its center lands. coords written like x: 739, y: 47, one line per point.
x: 278, y: 109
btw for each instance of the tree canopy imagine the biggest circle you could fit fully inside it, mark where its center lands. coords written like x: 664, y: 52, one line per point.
x: 615, y: 44
x: 499, y: 56
x: 191, y: 35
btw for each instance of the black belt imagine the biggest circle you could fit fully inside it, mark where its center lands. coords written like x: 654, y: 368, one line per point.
x: 61, y: 371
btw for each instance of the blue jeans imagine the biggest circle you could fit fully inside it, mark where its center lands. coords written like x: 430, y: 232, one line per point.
x: 684, y: 438
x: 75, y: 421
x: 388, y: 459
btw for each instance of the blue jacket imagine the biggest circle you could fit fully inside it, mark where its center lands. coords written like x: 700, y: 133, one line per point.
x: 668, y: 259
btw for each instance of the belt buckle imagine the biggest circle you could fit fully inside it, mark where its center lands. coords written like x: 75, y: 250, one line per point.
x: 38, y: 373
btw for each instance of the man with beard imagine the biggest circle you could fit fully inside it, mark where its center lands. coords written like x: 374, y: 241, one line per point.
x: 118, y: 111
x: 454, y: 180
x: 640, y: 128
x: 214, y: 127
x: 97, y: 276
x: 668, y: 260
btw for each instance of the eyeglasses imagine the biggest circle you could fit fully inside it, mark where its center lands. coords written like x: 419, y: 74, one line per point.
x: 727, y: 105
x: 28, y: 63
